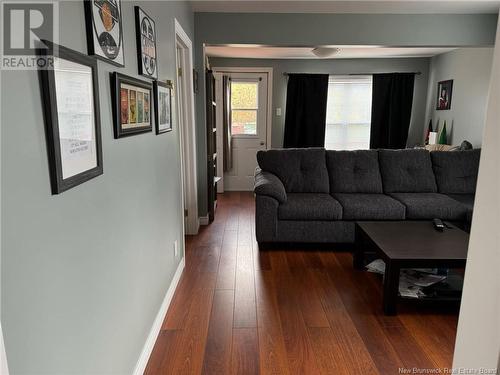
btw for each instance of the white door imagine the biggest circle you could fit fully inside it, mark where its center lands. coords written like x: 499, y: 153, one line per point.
x: 249, y: 102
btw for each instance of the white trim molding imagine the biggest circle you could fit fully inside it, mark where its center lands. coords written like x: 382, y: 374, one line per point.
x: 204, y: 220
x: 160, y: 316
x: 187, y: 135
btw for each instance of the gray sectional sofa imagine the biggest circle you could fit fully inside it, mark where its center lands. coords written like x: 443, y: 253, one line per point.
x: 313, y: 195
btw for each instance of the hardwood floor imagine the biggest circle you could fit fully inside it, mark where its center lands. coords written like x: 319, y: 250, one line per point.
x: 288, y: 311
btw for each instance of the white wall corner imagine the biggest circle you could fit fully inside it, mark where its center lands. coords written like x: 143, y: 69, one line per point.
x: 4, y: 368
x: 155, y: 329
x: 478, y: 334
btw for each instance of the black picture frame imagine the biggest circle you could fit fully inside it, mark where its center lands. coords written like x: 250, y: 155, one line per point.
x: 145, y: 30
x: 444, y: 95
x: 48, y: 90
x: 160, y: 87
x: 131, y: 85
x: 107, y: 25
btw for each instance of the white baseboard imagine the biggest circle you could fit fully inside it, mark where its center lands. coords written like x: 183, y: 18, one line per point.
x: 204, y: 220
x: 155, y: 329
x: 192, y: 228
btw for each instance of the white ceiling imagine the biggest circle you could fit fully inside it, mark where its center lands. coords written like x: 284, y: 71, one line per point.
x: 346, y: 52
x: 348, y: 6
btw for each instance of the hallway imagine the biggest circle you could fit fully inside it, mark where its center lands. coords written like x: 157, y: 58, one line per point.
x: 284, y: 311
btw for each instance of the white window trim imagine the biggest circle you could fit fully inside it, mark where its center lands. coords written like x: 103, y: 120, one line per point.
x: 354, y: 78
x: 247, y: 80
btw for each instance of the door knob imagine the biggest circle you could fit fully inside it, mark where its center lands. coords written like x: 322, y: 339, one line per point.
x: 262, y: 143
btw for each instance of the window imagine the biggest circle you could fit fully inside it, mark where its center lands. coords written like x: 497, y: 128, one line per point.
x: 348, y: 113
x: 244, y: 107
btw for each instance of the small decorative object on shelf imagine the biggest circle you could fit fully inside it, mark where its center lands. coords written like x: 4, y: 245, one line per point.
x: 131, y: 101
x: 429, y: 131
x: 195, y: 81
x: 443, y: 138
x: 163, y: 106
x: 70, y: 96
x: 103, y: 21
x: 146, y: 44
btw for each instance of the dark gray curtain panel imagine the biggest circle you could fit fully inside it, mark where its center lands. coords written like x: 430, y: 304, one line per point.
x: 305, y: 117
x: 226, y: 124
x: 392, y: 100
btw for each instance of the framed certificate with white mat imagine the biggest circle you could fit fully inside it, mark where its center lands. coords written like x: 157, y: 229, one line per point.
x: 70, y: 97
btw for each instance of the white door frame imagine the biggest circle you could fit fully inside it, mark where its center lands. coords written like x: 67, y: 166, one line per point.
x: 269, y: 72
x: 187, y: 134
x: 269, y: 116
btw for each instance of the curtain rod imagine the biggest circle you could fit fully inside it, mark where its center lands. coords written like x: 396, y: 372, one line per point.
x: 355, y: 74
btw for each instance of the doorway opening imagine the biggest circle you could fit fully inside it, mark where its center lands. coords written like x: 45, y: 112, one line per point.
x: 249, y: 120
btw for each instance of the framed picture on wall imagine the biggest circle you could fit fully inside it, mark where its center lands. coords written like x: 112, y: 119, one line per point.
x: 103, y: 22
x: 131, y: 101
x: 146, y: 44
x: 444, y: 91
x: 163, y: 106
x: 70, y: 97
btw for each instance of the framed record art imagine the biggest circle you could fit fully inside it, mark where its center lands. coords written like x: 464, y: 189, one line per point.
x: 103, y: 21
x: 163, y: 106
x: 146, y: 44
x: 131, y: 103
x: 70, y: 97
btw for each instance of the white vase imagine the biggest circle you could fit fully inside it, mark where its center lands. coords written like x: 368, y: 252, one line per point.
x: 433, y: 138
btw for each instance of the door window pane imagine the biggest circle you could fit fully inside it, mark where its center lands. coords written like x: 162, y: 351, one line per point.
x: 244, y: 121
x: 348, y: 114
x: 244, y: 107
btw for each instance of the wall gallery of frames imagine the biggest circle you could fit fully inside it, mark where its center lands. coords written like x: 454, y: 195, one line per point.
x: 70, y: 93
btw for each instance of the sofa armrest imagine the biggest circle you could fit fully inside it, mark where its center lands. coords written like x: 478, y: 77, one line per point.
x: 266, y: 218
x: 270, y: 185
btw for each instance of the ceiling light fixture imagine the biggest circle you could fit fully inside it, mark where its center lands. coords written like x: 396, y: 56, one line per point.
x: 325, y: 52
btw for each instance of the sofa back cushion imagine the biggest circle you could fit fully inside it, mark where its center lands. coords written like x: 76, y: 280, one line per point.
x: 456, y: 171
x: 300, y: 170
x: 407, y: 171
x: 354, y: 171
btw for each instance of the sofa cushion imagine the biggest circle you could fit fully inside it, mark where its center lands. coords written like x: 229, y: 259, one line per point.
x: 426, y: 206
x: 370, y: 207
x: 300, y: 170
x: 308, y: 206
x: 407, y: 171
x: 354, y: 171
x: 468, y: 201
x: 456, y: 171
x: 339, y: 231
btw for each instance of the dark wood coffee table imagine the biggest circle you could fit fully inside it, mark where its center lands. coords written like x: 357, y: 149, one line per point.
x: 408, y: 244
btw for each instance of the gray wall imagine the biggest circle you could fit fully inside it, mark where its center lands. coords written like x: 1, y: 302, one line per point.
x: 320, y: 29
x: 339, y: 66
x: 84, y: 273
x: 470, y: 70
x: 323, y: 29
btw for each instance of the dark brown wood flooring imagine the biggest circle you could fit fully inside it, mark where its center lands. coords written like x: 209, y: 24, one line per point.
x: 288, y: 311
